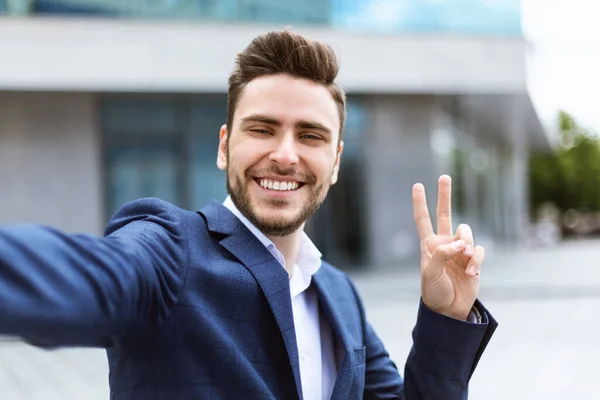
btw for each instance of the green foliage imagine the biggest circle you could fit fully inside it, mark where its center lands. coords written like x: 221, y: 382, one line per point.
x: 569, y: 177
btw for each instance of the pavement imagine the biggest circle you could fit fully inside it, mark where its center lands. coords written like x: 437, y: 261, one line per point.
x: 545, y: 300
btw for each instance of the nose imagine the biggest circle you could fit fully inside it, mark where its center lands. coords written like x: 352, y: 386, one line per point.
x: 285, y: 153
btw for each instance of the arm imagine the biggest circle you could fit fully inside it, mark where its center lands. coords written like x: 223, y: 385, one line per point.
x: 442, y: 359
x: 444, y: 354
x: 79, y: 290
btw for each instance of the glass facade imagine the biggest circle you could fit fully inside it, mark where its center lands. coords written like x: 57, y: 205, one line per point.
x: 338, y: 228
x: 496, y: 17
x: 166, y: 147
x: 500, y: 17
x: 162, y: 147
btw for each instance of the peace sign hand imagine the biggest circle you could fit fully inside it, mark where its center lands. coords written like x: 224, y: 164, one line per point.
x: 450, y: 264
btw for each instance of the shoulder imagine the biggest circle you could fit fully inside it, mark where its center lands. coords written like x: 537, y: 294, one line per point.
x: 148, y: 214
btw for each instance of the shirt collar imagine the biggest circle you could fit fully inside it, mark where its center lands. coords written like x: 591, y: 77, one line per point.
x: 309, y: 256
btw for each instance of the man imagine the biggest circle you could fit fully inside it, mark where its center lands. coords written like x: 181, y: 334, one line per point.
x: 233, y: 301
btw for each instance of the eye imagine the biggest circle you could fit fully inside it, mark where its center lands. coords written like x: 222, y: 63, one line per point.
x: 310, y: 136
x: 260, y: 131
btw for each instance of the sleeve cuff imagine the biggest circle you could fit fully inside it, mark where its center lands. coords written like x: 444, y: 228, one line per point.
x: 474, y: 316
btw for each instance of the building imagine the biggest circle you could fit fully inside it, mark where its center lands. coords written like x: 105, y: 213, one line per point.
x: 104, y: 101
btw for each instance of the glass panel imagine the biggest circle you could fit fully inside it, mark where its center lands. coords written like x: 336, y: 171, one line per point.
x: 356, y: 126
x: 341, y: 219
x: 207, y: 181
x: 78, y: 7
x: 312, y: 11
x: 141, y: 172
x: 458, y: 16
x: 15, y: 7
x: 140, y: 116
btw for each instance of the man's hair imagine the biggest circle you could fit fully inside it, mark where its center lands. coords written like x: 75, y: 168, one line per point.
x: 285, y: 52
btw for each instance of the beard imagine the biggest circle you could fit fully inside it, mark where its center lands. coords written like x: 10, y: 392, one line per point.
x: 238, y: 187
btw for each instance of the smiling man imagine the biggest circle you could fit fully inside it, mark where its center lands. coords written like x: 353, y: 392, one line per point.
x: 233, y: 301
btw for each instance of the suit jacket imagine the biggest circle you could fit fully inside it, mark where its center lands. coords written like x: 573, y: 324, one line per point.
x: 190, y: 305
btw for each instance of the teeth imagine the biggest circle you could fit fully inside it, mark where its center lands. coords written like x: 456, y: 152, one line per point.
x: 276, y: 185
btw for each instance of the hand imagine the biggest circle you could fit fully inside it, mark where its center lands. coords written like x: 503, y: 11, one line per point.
x: 450, y: 264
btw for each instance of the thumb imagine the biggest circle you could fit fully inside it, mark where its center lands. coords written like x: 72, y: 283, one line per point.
x: 442, y: 253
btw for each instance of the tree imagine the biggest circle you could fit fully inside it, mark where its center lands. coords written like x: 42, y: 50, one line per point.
x: 569, y: 177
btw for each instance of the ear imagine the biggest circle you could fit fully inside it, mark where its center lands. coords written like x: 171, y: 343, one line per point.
x: 336, y: 166
x: 222, y: 153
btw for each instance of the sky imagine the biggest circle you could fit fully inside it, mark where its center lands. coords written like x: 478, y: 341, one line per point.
x: 564, y: 61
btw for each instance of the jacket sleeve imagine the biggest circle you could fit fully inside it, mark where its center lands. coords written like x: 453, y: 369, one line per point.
x: 78, y: 290
x: 445, y: 353
x: 441, y: 361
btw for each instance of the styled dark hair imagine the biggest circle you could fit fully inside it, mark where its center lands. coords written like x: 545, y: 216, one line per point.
x: 285, y: 52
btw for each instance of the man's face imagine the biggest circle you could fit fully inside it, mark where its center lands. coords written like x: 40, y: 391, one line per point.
x: 282, y: 154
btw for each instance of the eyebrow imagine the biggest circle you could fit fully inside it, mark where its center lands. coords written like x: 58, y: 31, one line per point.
x: 302, y: 124
x: 262, y: 118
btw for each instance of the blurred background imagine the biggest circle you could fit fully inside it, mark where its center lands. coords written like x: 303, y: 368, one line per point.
x: 105, y: 101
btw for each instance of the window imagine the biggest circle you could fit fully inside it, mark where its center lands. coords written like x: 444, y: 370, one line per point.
x: 162, y: 146
x: 497, y: 17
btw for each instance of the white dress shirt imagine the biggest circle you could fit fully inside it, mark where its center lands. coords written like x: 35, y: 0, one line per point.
x: 314, y: 335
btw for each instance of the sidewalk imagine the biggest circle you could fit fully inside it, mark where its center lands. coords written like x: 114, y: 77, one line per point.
x: 571, y: 268
x: 546, y: 302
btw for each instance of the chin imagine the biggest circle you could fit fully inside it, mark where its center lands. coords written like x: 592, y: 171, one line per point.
x: 278, y: 216
x: 278, y: 222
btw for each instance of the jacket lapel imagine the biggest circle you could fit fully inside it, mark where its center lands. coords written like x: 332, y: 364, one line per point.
x: 271, y: 277
x: 324, y: 282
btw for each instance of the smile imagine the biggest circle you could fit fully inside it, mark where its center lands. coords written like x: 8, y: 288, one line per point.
x: 281, y: 186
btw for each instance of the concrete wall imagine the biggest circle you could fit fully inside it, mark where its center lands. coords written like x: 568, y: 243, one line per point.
x: 50, y: 161
x: 126, y: 55
x: 399, y: 155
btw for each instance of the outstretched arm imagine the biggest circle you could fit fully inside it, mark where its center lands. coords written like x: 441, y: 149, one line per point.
x: 79, y: 290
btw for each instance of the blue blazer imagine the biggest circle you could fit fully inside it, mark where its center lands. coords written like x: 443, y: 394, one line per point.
x: 190, y: 305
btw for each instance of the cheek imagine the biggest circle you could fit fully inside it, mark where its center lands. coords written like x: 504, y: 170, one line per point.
x: 245, y: 154
x: 237, y: 160
x: 325, y: 171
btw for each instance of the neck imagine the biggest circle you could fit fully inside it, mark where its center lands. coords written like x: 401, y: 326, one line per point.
x: 289, y: 247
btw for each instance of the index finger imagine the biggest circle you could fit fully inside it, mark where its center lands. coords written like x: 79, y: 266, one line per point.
x: 422, y: 219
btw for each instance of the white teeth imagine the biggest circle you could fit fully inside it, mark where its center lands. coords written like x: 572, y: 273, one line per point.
x: 276, y: 185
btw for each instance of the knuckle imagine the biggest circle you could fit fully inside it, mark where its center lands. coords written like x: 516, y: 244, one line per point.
x: 443, y: 251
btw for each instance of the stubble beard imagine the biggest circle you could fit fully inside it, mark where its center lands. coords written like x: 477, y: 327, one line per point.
x: 239, y: 190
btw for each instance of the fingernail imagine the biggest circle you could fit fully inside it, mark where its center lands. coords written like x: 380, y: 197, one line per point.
x: 468, y: 249
x: 472, y: 270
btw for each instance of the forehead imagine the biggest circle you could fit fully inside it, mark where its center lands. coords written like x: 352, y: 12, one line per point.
x: 289, y: 100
